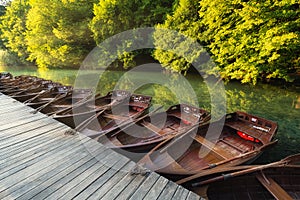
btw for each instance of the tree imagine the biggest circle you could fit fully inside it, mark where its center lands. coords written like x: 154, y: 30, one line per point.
x: 13, y: 28
x: 184, y: 20
x: 248, y: 40
x: 58, y: 34
x: 115, y: 16
x: 252, y: 40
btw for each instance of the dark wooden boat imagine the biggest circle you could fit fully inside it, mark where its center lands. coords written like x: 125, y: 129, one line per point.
x: 242, y: 138
x: 279, y: 180
x: 119, y: 115
x: 47, y: 96
x: 12, y: 83
x: 147, y: 132
x: 80, y: 112
x: 65, y: 101
x: 34, y: 90
x: 20, y: 86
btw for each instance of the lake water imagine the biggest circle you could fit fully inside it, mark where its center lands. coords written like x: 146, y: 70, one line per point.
x: 272, y: 102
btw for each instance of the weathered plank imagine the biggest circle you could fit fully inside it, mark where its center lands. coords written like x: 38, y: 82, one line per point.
x: 157, y: 188
x: 111, y: 178
x: 69, y: 177
x: 141, y: 191
x: 56, y: 174
x: 168, y: 191
x: 119, y: 187
x: 180, y: 193
x: 51, y: 170
x: 103, y: 172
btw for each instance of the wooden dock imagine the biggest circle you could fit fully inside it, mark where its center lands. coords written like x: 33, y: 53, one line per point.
x: 38, y: 161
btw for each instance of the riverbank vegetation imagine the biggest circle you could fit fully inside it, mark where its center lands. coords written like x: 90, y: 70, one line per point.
x: 248, y: 40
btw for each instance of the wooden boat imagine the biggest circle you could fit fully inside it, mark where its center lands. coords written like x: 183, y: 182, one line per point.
x: 242, y: 138
x: 48, y: 96
x: 119, y: 115
x: 33, y: 91
x: 279, y: 180
x: 15, y: 81
x: 147, y: 132
x: 19, y: 86
x: 65, y: 101
x: 80, y: 112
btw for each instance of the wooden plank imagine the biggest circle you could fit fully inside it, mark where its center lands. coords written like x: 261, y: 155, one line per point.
x: 27, y: 135
x: 50, y: 171
x: 26, y: 126
x: 28, y: 155
x: 35, y: 160
x: 33, y: 142
x: 29, y: 126
x: 80, y: 181
x: 9, y: 157
x: 180, y: 193
x: 11, y: 117
x: 193, y: 196
x: 113, y: 175
x: 168, y: 191
x: 116, y: 188
x: 56, y: 175
x: 17, y: 124
x: 157, y: 188
x: 141, y: 191
x: 130, y: 187
x: 13, y: 173
x: 20, y: 109
x: 48, y: 190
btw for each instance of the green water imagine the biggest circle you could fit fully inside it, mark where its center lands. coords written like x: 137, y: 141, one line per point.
x: 272, y: 102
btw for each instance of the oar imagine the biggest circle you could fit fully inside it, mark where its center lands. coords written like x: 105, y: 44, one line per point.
x: 36, y: 96
x: 75, y: 105
x: 284, y: 162
x: 248, y: 154
x: 19, y: 92
x: 86, y: 122
x: 56, y: 98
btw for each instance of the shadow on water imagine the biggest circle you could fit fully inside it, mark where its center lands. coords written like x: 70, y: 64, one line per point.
x: 271, y: 102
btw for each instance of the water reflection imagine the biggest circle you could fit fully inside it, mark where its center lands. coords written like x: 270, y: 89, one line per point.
x: 274, y: 103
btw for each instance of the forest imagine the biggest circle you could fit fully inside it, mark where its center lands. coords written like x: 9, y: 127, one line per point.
x: 248, y: 40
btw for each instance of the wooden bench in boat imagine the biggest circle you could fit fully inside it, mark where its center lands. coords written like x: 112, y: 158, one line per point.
x: 116, y: 117
x: 220, y: 152
x: 152, y: 127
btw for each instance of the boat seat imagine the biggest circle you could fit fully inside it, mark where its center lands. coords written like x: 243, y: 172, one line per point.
x: 152, y: 127
x: 116, y: 117
x: 46, y: 99
x: 213, y: 147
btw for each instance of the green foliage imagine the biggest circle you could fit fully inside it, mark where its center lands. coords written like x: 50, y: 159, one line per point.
x: 58, y: 33
x: 248, y: 40
x: 183, y: 20
x: 252, y: 40
x: 115, y: 16
x: 13, y: 27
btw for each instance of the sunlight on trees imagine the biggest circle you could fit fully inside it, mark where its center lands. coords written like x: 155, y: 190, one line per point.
x: 248, y: 40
